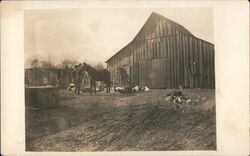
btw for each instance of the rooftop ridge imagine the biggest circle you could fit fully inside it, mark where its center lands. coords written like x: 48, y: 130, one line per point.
x: 171, y: 22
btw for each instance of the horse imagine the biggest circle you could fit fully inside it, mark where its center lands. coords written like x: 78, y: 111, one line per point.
x: 97, y: 75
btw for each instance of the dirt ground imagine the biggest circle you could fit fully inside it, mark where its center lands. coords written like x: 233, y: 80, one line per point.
x: 115, y: 122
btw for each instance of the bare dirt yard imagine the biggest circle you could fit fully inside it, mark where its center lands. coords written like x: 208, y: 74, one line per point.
x: 143, y: 121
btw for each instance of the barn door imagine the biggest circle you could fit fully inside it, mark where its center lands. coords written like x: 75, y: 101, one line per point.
x: 158, y: 73
x: 136, y: 74
x: 143, y: 73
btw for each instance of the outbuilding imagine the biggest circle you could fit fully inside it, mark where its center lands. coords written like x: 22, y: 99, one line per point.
x: 164, y: 54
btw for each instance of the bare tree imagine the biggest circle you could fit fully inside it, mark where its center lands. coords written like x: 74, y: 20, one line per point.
x: 68, y: 62
x: 99, y: 65
x: 47, y: 62
x: 34, y: 61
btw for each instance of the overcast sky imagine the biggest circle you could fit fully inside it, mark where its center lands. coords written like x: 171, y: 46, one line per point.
x: 94, y: 35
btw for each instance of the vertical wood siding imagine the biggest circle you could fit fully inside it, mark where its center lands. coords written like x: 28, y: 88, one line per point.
x: 165, y: 57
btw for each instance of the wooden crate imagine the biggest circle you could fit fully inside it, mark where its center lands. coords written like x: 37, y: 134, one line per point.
x: 41, y: 97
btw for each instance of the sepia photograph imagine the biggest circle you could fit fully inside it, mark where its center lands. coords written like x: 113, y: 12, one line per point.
x: 125, y: 77
x: 119, y: 80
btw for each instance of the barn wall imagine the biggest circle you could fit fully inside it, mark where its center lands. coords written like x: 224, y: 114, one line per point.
x: 163, y: 56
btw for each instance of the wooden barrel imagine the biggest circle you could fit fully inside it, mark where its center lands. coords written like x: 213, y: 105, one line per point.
x: 41, y: 96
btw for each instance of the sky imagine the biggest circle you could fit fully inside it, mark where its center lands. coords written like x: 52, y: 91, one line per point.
x: 94, y: 35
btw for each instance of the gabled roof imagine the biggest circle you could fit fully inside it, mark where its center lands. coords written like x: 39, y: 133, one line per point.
x: 152, y: 20
x: 174, y: 24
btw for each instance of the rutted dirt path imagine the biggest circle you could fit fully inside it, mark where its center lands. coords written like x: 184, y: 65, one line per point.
x: 115, y: 122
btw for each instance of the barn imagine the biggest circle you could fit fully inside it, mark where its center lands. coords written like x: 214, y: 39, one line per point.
x: 164, y: 54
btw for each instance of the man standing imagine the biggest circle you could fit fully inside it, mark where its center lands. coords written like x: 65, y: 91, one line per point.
x: 78, y: 79
x: 74, y: 76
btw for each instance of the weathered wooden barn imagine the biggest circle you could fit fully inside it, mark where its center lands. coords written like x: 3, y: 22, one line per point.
x: 164, y: 54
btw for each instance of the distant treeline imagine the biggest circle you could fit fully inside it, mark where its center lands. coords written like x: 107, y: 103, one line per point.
x: 42, y: 71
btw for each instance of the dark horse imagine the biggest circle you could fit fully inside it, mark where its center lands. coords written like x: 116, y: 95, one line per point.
x: 97, y: 75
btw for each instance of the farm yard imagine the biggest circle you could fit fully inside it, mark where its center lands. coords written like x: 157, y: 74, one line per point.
x: 138, y: 114
x: 144, y: 121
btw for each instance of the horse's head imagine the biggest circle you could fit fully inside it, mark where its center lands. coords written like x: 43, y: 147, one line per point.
x: 84, y: 66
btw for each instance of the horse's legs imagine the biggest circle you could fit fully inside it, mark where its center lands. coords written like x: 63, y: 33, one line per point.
x: 95, y: 86
x: 91, y: 86
x: 109, y: 85
x: 75, y: 86
x: 106, y: 87
x: 78, y: 87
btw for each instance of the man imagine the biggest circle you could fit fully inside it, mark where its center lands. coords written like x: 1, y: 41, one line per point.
x: 74, y: 76
x: 78, y: 78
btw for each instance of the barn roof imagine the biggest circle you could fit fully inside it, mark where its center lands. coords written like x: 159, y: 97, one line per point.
x: 152, y: 20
